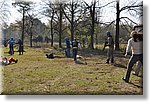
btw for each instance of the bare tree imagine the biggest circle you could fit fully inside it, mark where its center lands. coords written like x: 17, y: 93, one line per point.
x: 129, y: 9
x: 49, y: 11
x: 73, y: 11
x: 132, y: 7
x: 24, y: 6
x: 4, y: 11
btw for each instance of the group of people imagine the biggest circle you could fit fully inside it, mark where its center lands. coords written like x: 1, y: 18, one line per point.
x: 11, y: 44
x: 74, y: 44
x: 134, y: 46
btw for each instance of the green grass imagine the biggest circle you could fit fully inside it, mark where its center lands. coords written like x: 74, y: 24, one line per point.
x: 35, y: 74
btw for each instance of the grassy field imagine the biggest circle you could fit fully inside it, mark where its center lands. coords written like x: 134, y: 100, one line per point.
x: 35, y: 74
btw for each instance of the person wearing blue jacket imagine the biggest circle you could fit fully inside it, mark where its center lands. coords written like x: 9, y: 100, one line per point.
x: 67, y: 51
x: 11, y: 43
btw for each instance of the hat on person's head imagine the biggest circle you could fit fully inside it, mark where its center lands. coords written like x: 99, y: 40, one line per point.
x: 66, y: 38
x: 132, y: 33
x: 108, y: 33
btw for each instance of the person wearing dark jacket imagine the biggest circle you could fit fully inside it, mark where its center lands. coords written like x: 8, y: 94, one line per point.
x: 20, y: 50
x: 110, y: 43
x: 75, y: 49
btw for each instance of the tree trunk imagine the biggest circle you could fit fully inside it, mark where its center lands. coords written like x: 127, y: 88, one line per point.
x: 30, y: 39
x: 93, y: 26
x: 60, y: 26
x: 117, y: 28
x: 22, y: 37
x: 31, y: 33
x: 52, y: 38
x: 72, y: 22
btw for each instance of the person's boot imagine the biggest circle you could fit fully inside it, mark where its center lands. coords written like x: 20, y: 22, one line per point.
x: 16, y: 61
x: 124, y: 79
x: 107, y: 61
x: 112, y: 61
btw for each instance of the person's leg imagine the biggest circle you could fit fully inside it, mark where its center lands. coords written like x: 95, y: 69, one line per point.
x: 112, y: 56
x: 108, y: 55
x: 12, y: 60
x: 73, y: 51
x: 12, y: 49
x: 141, y: 59
x: 131, y: 62
x: 75, y: 57
x: 19, y: 50
x: 22, y: 49
x: 137, y: 69
x: 68, y: 52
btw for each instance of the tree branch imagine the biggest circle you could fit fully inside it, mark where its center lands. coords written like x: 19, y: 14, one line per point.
x: 129, y: 20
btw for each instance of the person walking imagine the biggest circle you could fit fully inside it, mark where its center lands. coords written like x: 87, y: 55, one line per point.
x: 135, y: 43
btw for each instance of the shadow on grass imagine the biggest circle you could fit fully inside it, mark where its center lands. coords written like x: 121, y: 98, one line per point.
x: 120, y: 65
x: 138, y: 86
x: 91, y: 52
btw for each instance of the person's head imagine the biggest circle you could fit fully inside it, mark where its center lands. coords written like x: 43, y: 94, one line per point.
x: 108, y: 33
x: 66, y: 38
x: 136, y: 37
x: 11, y: 38
x: 19, y: 39
x: 133, y: 33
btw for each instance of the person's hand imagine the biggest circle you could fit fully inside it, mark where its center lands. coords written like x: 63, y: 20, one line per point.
x: 126, y: 55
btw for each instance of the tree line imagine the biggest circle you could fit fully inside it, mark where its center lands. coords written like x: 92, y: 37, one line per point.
x: 75, y: 19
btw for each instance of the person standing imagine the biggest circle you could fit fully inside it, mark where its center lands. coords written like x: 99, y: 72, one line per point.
x: 67, y: 51
x: 75, y: 49
x: 20, y: 50
x: 110, y: 43
x: 136, y: 45
x: 11, y: 43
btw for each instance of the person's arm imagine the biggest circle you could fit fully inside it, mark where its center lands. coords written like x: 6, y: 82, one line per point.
x: 128, y: 49
x: 80, y: 45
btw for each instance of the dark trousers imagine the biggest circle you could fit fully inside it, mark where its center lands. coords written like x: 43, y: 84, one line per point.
x: 75, y: 51
x: 134, y: 58
x: 11, y: 49
x: 20, y: 50
x: 110, y: 54
x: 67, y: 51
